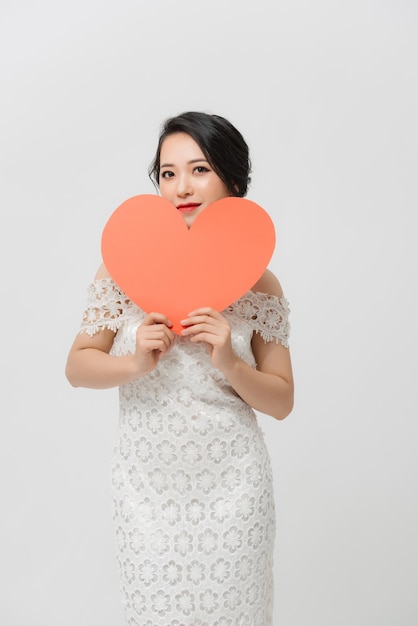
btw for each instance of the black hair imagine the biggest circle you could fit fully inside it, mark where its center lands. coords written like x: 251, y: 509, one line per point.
x: 222, y: 144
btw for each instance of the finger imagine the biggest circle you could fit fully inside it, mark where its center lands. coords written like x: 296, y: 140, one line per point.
x: 156, y: 318
x: 160, y: 345
x: 153, y: 345
x: 204, y: 319
x: 153, y: 334
x: 207, y: 337
x: 196, y: 329
x: 154, y: 329
x: 206, y: 310
x: 151, y: 330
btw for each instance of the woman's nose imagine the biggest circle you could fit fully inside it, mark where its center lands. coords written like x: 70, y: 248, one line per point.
x: 184, y: 187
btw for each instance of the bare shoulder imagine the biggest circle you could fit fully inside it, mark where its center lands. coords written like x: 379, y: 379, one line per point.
x: 268, y: 283
x: 102, y: 273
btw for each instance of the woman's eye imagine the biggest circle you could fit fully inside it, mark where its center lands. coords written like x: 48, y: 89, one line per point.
x: 200, y: 169
x: 166, y: 174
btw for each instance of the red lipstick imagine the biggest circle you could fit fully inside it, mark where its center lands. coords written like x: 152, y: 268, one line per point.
x: 187, y: 208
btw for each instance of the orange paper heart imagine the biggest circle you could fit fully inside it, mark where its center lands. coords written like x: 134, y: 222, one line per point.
x: 164, y: 267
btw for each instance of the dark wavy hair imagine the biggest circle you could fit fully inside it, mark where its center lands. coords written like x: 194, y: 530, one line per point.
x: 222, y: 144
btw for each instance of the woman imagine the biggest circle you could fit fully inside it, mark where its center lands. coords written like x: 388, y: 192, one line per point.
x: 192, y: 484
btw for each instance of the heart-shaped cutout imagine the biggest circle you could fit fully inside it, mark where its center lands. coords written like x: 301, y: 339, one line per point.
x: 164, y: 266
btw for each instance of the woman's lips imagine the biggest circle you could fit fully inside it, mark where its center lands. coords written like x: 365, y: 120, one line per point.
x: 187, y: 208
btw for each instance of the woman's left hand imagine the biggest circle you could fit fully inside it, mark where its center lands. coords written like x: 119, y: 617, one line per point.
x: 208, y: 325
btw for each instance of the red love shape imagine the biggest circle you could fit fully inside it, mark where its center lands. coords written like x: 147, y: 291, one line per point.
x: 164, y: 266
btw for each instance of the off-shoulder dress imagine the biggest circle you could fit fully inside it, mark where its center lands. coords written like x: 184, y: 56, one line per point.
x: 191, y: 476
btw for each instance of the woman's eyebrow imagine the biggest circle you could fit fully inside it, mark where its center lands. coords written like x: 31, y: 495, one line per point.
x: 188, y: 162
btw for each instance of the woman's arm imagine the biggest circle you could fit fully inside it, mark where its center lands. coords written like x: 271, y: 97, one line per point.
x: 269, y: 388
x: 89, y: 363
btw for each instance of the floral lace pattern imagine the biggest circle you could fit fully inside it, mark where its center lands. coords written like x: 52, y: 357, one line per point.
x: 191, y: 476
x: 269, y: 315
x: 107, y: 307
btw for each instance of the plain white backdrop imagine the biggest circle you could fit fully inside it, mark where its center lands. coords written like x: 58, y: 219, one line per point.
x: 326, y: 95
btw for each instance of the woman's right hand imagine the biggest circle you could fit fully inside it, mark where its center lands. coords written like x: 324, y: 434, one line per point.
x: 153, y: 339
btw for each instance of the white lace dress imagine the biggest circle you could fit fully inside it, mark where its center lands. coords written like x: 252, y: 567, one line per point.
x: 192, y: 483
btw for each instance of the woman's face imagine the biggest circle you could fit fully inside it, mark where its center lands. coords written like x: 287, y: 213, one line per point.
x: 186, y: 178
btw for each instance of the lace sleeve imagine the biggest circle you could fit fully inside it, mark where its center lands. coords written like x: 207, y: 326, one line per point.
x: 106, y: 306
x: 269, y: 316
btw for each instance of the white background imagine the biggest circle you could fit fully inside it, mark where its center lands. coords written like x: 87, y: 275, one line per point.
x: 326, y: 95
